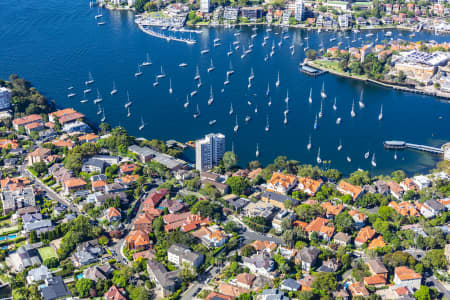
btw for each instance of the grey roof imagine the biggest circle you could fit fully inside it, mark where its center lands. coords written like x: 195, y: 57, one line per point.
x: 238, y: 203
x: 377, y: 266
x: 18, y: 198
x: 144, y: 151
x: 329, y: 266
x: 164, y: 278
x: 37, y: 225
x: 184, y: 253
x: 434, y: 204
x: 342, y: 237
x: 55, y: 289
x: 291, y: 284
x: 25, y: 256
x: 309, y: 254
x: 279, y: 197
x: 259, y: 261
x: 95, y: 163
x: 39, y: 274
x: 99, y: 177
x: 169, y: 161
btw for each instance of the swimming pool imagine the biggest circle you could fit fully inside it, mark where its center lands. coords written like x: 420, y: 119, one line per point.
x: 79, y: 276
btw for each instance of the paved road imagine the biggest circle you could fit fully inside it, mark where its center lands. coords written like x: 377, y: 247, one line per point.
x: 200, y: 283
x: 438, y: 285
x: 250, y: 235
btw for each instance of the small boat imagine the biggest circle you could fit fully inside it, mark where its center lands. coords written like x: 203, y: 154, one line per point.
x: 373, y: 162
x: 231, y: 70
x: 249, y: 84
x: 183, y: 65
x: 277, y: 83
x: 247, y: 118
x: 101, y: 23
x: 380, y: 115
x: 270, y: 102
x: 211, y: 96
x: 316, y: 125
x: 90, y: 79
x: 230, y: 52
x: 249, y: 103
x: 352, y: 113
x: 338, y: 121
x: 142, y: 124
x: 309, y: 144
x: 70, y: 95
x: 360, y: 102
x: 170, y: 86
x: 287, y: 96
x: 216, y: 40
x: 204, y: 51
x: 349, y: 159
x: 321, y: 111
x: 70, y: 88
x: 322, y: 92
x: 256, y: 109
x: 103, y: 119
x: 139, y: 72
x: 114, y: 89
x: 156, y: 83
x: 334, y: 104
x: 197, y: 74
x: 197, y: 113
x: 162, y: 74
x: 318, y: 159
x: 267, y: 128
x: 257, y: 150
x: 147, y: 62
x: 395, y: 155
x: 99, y: 13
x: 388, y: 34
x: 236, y: 127
x: 86, y: 91
x: 84, y: 101
x: 266, y: 58
x: 128, y: 103
x: 186, y: 104
x: 268, y: 90
x: 199, y: 84
x: 193, y: 93
x: 231, y: 109
x: 128, y: 113
x: 366, y: 155
x: 227, y: 80
x: 285, y: 121
x: 252, y: 75
x: 212, y: 122
x: 99, y: 98
x: 211, y: 66
x: 310, y: 96
x: 99, y: 111
x: 339, y: 148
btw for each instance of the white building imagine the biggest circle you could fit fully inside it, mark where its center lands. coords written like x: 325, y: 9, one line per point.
x: 209, y: 151
x: 178, y: 254
x: 299, y: 10
x: 422, y: 181
x: 5, y: 97
x: 343, y: 21
x: 204, y: 6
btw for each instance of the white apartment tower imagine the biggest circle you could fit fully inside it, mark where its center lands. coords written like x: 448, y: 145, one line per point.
x: 299, y: 10
x: 204, y: 6
x: 209, y: 151
x: 5, y: 98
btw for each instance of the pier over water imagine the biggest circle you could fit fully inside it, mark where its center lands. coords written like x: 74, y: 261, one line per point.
x: 404, y: 145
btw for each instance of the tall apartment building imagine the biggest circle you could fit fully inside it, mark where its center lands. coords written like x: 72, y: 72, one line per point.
x: 204, y: 6
x: 209, y: 151
x: 299, y: 10
x: 5, y: 97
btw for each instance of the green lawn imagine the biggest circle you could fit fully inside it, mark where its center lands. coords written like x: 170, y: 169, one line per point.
x: 47, y: 252
x: 9, y: 229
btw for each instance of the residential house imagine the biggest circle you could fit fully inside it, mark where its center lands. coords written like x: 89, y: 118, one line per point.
x: 144, y: 154
x: 179, y: 255
x: 273, y: 294
x: 93, y: 165
x: 342, y: 238
x: 115, y: 293
x: 127, y: 169
x: 378, y: 242
x: 331, y: 265
x: 38, y: 274
x: 98, y: 272
x: 290, y: 285
x: 88, y: 138
x: 223, y: 188
x: 55, y: 288
x: 350, y: 189
x: 431, y: 208
x: 34, y: 127
x: 309, y: 186
x: 264, y: 246
x: 245, y: 280
x: 231, y: 290
x: 260, y: 264
x: 155, y: 198
x: 17, y: 123
x: 407, y: 184
x: 24, y: 257
x: 281, y: 183
x: 38, y: 155
x: 359, y: 218
x: 186, y: 221
x: 404, y: 276
x: 173, y: 206
x: 376, y: 267
x: 422, y: 181
x: 144, y: 221
x: 364, y: 235
x: 34, y: 222
x: 15, y: 199
x: 279, y: 217
x: 218, y: 296
x: 306, y: 281
x: 213, y: 236
x: 65, y: 116
x: 307, y: 257
x: 375, y: 281
x: 166, y: 282
x: 115, y: 187
x: 319, y: 226
x: 278, y: 200
x: 137, y: 239
x: 395, y: 189
x: 87, y: 253
x: 73, y: 184
x: 259, y: 209
x: 331, y: 211
x: 112, y: 214
x: 358, y: 289
x: 404, y: 208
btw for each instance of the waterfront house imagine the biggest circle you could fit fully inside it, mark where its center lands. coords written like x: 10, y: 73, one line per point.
x: 309, y: 186
x: 65, y: 116
x: 350, y: 189
x: 395, y: 189
x: 278, y: 200
x: 281, y: 183
x: 404, y: 276
x: 88, y: 138
x: 431, y: 208
x: 144, y: 154
x: 166, y: 281
x: 407, y: 184
x: 19, y: 122
x: 422, y: 181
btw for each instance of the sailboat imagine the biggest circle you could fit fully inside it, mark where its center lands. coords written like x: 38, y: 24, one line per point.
x: 70, y: 95
x: 349, y: 159
x: 277, y: 83
x: 128, y: 103
x: 373, y: 162
x: 103, y: 119
x: 319, y: 160
x: 334, y: 104
x: 212, y: 122
x: 139, y: 72
x: 142, y: 124
x: 256, y: 109
x: 230, y: 52
x: 147, y: 62
x: 249, y: 84
x: 199, y: 84
x: 236, y: 127
x: 322, y: 92
x: 186, y: 104
x: 321, y: 111
x: 287, y: 96
x: 360, y: 102
x: 87, y: 90
x: 285, y: 121
x: 338, y: 121
x: 231, y: 70
x: 156, y: 83
x: 211, y: 66
x: 380, y: 116
x: 395, y: 155
x: 90, y: 79
x: 227, y: 80
x: 366, y: 155
x: 339, y: 148
x: 315, y: 124
x: 310, y: 96
x: 84, y: 100
x: 99, y: 13
x: 309, y: 144
x: 268, y: 90
x: 114, y: 89
x: 252, y: 75
x: 231, y: 109
x: 267, y: 123
x: 247, y: 118
x: 211, y: 96
x: 352, y: 113
x: 183, y: 65
x: 162, y: 74
x: 99, y: 111
x: 129, y: 113
x: 99, y: 98
x: 197, y: 114
x: 257, y: 150
x: 197, y: 74
x: 170, y: 86
x: 270, y: 102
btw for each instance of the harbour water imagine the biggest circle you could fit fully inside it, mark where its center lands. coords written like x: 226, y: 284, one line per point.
x: 54, y: 44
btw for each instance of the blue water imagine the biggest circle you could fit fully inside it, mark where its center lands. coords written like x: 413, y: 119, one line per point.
x: 54, y: 44
x: 79, y: 276
x: 12, y: 236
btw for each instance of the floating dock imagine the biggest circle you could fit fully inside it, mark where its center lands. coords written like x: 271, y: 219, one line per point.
x: 311, y: 71
x: 400, y: 145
